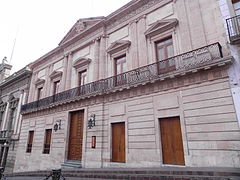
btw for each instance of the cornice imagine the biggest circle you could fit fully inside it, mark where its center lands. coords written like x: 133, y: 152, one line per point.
x: 118, y: 45
x: 161, y: 26
x: 22, y: 72
x: 55, y: 74
x: 82, y: 61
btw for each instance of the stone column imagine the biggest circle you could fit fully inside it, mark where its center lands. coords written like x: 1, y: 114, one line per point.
x: 142, y: 43
x: 64, y: 76
x: 134, y: 46
x: 96, y: 59
x: 102, y: 59
x: 69, y: 72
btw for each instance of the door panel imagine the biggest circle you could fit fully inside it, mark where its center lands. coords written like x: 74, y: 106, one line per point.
x: 118, y: 142
x: 171, y: 139
x: 76, y: 136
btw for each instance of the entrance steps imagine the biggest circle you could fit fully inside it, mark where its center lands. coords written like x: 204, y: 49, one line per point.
x: 162, y: 173
x: 71, y: 165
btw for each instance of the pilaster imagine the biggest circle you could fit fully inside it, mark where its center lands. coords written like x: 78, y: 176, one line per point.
x: 102, y: 59
x: 134, y: 45
x: 69, y: 71
x: 96, y: 59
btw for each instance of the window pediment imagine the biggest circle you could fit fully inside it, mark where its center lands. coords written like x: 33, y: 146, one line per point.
x: 82, y: 61
x: 118, y: 46
x: 39, y: 82
x: 55, y: 74
x: 161, y: 26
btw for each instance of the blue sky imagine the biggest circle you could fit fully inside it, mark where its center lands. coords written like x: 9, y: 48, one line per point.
x: 39, y: 25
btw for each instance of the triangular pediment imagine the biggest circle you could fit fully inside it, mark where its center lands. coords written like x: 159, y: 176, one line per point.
x: 39, y: 82
x: 55, y: 74
x: 161, y: 26
x: 118, y: 45
x: 82, y: 61
x: 80, y: 26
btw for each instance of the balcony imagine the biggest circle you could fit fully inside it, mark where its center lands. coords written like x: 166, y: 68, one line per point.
x: 5, y: 134
x: 233, y: 26
x: 191, y: 61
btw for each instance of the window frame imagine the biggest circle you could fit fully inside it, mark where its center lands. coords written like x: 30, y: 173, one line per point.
x: 39, y: 93
x: 80, y: 77
x: 30, y: 144
x: 119, y: 58
x: 164, y: 46
x: 46, y: 146
x: 56, y: 86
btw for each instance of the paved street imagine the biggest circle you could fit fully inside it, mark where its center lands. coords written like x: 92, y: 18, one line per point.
x: 42, y: 178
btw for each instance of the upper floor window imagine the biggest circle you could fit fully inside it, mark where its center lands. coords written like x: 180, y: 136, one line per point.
x: 120, y: 64
x: 30, y: 141
x: 47, y: 141
x: 82, y: 77
x: 56, y: 85
x: 39, y: 93
x: 164, y: 49
x: 236, y: 6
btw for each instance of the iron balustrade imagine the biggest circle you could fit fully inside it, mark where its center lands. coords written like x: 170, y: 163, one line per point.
x: 198, y: 57
x: 233, y: 26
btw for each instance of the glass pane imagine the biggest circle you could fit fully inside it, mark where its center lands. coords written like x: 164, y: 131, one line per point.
x: 236, y: 5
x: 161, y: 54
x: 237, y: 12
x: 170, y: 51
x: 118, y: 68
x: 124, y: 67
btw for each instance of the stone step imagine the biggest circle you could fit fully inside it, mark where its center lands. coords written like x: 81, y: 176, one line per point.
x: 71, y: 165
x: 162, y: 173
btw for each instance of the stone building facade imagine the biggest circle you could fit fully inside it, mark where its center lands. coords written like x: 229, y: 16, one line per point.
x: 146, y: 86
x: 14, y: 89
x: 231, y: 18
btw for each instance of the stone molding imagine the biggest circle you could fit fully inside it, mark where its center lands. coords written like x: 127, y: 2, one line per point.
x: 40, y: 82
x: 82, y: 61
x: 118, y: 46
x: 55, y: 74
x: 167, y: 84
x: 161, y: 26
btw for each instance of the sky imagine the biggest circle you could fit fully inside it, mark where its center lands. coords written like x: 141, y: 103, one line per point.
x: 37, y: 26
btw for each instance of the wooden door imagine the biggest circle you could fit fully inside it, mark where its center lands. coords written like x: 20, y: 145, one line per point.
x: 118, y: 142
x: 76, y: 136
x: 171, y: 139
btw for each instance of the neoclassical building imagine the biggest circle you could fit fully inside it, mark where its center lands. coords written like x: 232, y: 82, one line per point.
x: 13, y: 94
x: 146, y: 86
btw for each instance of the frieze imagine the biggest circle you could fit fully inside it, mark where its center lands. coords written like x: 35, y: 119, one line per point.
x: 145, y: 4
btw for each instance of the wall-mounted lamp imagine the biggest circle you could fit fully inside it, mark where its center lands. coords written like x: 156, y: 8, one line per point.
x: 91, y: 121
x: 57, y: 126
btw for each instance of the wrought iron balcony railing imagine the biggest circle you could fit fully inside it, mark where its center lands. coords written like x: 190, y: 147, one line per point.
x: 233, y: 26
x: 180, y: 63
x: 5, y: 134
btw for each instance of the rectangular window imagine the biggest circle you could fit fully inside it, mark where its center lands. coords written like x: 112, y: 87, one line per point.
x: 30, y: 141
x: 56, y: 87
x: 236, y: 6
x: 164, y: 49
x: 82, y: 77
x: 120, y: 65
x: 39, y: 93
x: 47, y: 141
